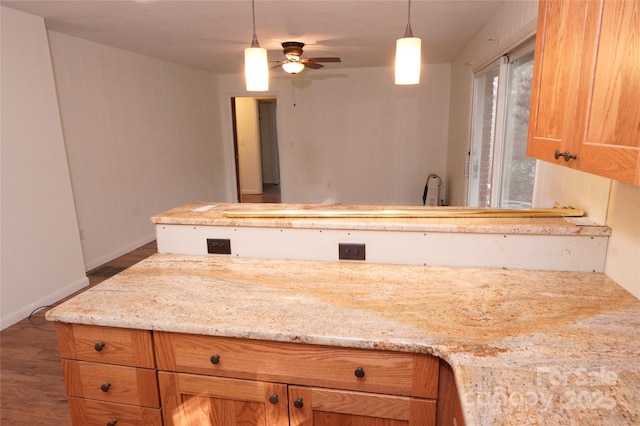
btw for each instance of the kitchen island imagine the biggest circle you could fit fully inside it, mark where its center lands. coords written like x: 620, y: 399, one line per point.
x: 526, y: 347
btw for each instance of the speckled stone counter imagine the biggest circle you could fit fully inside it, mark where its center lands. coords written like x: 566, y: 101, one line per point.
x: 212, y: 214
x: 526, y: 347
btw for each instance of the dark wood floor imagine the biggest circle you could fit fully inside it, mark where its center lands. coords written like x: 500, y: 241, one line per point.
x: 31, y: 383
x: 270, y: 194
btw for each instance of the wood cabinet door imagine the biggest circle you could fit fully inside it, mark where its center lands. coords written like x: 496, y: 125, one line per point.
x: 612, y: 144
x: 310, y: 406
x: 194, y: 400
x: 565, y: 48
x: 585, y: 96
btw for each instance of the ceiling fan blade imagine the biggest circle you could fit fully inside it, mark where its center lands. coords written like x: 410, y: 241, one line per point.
x: 312, y: 65
x: 322, y: 60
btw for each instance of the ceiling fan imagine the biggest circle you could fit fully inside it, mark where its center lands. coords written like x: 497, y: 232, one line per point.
x: 295, y: 63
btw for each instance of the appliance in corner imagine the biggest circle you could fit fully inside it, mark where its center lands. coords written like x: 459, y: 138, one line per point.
x: 431, y: 194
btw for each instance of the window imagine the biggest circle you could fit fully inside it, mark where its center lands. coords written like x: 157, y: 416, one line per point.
x: 501, y: 175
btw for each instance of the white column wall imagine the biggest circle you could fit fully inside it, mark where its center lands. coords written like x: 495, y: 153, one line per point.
x: 41, y: 254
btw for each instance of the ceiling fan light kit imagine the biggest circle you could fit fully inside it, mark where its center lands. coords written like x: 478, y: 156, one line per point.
x: 293, y: 66
x: 256, y: 66
x: 294, y: 62
x: 408, y: 56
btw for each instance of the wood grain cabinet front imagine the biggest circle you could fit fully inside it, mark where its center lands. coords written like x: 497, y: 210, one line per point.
x: 222, y: 381
x: 127, y: 385
x: 110, y: 375
x: 365, y: 370
x: 197, y: 400
x: 107, y: 345
x: 585, y: 95
x: 310, y: 406
x: 219, y: 381
x: 89, y: 412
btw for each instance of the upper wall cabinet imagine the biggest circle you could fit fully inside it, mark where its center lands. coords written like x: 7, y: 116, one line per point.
x: 585, y: 98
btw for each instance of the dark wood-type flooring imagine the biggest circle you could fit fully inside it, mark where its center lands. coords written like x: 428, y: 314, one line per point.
x: 270, y: 194
x: 31, y: 383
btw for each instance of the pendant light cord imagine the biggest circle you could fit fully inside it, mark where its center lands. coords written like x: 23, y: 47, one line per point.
x: 254, y: 41
x: 407, y: 31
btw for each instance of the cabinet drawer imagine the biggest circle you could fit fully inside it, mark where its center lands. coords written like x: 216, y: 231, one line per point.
x: 86, y: 412
x: 388, y: 372
x: 127, y: 385
x: 108, y: 345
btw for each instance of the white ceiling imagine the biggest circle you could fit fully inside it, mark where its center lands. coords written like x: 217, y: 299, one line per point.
x: 211, y: 34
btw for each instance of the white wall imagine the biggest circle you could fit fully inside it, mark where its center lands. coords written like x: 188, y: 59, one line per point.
x: 142, y: 136
x: 353, y: 136
x: 623, y: 256
x: 514, y: 22
x: 605, y: 201
x: 41, y: 254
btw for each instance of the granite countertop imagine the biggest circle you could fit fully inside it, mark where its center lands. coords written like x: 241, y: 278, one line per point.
x: 526, y: 347
x: 213, y: 214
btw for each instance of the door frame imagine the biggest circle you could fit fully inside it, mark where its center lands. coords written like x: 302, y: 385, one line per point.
x: 234, y: 133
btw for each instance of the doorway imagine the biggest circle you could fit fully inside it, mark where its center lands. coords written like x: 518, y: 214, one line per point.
x: 255, y: 141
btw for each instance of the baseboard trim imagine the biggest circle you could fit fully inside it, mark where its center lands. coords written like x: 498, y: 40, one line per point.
x: 25, y: 311
x: 93, y: 264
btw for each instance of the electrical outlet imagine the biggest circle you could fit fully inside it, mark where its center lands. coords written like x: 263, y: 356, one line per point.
x: 218, y: 246
x: 351, y: 251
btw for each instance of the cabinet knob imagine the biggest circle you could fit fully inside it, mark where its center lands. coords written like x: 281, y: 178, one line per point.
x: 359, y: 372
x: 273, y: 399
x: 105, y: 387
x: 112, y: 422
x: 99, y: 346
x: 215, y: 359
x: 298, y: 403
x: 566, y: 155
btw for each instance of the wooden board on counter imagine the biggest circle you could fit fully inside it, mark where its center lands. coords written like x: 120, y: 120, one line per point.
x: 416, y: 212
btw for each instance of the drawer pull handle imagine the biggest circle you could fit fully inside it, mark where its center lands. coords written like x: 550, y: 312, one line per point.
x: 99, y: 346
x: 298, y: 403
x: 112, y: 422
x: 566, y: 155
x: 105, y: 387
x: 359, y: 372
x: 215, y: 359
x: 273, y: 399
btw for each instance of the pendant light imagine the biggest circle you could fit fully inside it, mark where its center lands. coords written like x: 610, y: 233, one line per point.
x: 408, y: 56
x: 256, y: 67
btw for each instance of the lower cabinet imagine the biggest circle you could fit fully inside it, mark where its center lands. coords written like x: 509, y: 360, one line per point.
x: 122, y: 377
x: 195, y: 400
x: 219, y: 381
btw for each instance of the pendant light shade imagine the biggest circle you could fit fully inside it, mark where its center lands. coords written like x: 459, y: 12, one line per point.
x: 256, y: 69
x: 256, y: 65
x: 408, y: 60
x: 408, y: 56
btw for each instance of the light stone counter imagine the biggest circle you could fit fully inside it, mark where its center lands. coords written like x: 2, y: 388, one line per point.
x: 526, y: 347
x: 212, y: 214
